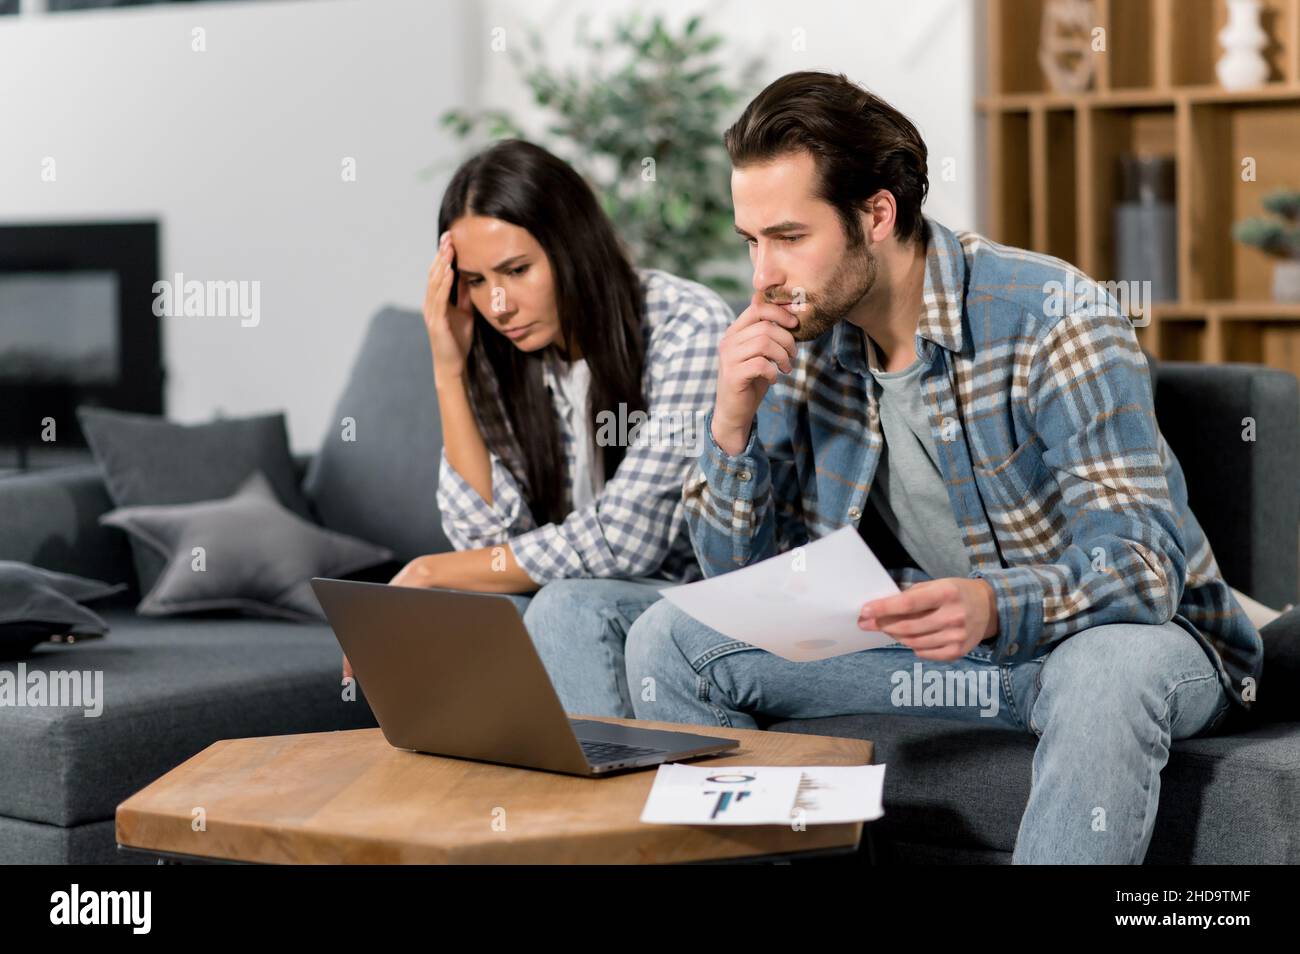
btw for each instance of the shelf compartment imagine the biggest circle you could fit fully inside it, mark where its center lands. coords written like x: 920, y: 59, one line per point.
x: 1009, y: 183
x: 1053, y: 182
x: 1193, y: 44
x: 1106, y: 135
x: 1182, y: 339
x: 1222, y: 137
x: 1014, y: 31
x: 1130, y: 61
x: 1275, y: 343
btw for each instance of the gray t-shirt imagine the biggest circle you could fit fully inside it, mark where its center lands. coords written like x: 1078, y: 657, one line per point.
x: 908, y: 489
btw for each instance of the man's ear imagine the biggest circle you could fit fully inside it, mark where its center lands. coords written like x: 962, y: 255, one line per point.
x: 879, y: 215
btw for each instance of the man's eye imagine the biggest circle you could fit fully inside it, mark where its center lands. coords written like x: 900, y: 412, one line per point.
x: 791, y: 238
x: 750, y: 241
x: 473, y: 282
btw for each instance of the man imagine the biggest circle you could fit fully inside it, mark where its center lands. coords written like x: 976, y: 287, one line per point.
x: 995, y: 443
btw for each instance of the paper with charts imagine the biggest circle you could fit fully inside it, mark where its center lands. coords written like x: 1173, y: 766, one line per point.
x: 802, y: 605
x: 765, y: 795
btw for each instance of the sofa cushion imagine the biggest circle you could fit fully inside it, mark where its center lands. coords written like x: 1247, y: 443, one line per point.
x: 1258, y: 614
x: 1242, y: 491
x: 50, y: 520
x: 1224, y: 799
x: 259, y: 558
x: 36, y: 604
x: 32, y: 843
x: 1279, y: 684
x: 148, y: 460
x: 376, y: 474
x: 171, y: 688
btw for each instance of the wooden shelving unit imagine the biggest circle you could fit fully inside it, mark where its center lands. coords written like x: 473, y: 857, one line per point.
x: 1051, y: 161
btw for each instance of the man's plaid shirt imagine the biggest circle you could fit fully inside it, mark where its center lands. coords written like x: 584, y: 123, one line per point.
x: 636, y: 525
x: 1069, y: 501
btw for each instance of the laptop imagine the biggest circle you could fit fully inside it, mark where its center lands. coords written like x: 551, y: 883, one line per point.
x: 456, y: 674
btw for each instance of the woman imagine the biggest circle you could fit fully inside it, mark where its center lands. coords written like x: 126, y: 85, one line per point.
x: 548, y: 347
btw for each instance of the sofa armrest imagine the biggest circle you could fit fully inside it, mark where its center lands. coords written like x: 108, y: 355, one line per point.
x: 51, y: 521
x: 1245, y: 494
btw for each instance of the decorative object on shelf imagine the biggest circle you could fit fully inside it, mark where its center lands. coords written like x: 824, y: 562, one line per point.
x: 1146, y: 226
x: 1065, y: 50
x: 1242, y: 65
x: 1279, y: 237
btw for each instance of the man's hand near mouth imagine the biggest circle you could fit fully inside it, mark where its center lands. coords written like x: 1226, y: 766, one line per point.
x: 757, y: 347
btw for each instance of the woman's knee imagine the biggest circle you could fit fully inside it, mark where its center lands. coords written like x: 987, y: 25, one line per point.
x: 561, y: 607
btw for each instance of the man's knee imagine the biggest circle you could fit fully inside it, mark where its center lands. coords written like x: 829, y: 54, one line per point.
x: 651, y: 641
x: 1121, y: 667
x: 1130, y: 652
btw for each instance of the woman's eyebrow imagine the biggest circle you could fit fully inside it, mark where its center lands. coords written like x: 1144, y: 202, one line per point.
x: 502, y: 265
x: 499, y: 267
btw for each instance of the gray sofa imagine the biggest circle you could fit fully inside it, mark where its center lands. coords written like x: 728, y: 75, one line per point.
x: 953, y: 794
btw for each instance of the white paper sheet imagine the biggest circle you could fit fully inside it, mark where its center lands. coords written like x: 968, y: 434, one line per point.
x: 802, y: 605
x: 830, y: 794
x: 765, y: 795
x: 722, y: 795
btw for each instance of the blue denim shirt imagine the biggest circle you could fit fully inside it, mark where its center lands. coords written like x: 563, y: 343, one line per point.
x: 1069, y: 501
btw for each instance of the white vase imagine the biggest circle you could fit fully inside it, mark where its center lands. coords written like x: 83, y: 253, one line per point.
x: 1286, y: 280
x: 1242, y: 65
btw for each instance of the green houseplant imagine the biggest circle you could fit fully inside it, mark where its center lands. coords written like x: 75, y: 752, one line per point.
x: 643, y: 123
x: 1278, y: 236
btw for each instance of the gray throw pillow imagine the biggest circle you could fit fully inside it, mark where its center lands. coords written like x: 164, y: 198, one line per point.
x: 37, y: 604
x: 245, y: 552
x: 379, y: 479
x: 147, y: 459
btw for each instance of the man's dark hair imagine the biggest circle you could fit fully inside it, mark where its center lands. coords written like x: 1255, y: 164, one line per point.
x: 859, y: 142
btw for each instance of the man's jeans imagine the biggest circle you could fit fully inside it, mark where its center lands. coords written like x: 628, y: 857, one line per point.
x: 578, y: 628
x: 1105, y: 705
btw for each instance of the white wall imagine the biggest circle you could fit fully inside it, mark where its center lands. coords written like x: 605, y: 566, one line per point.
x: 237, y: 150
x: 920, y: 55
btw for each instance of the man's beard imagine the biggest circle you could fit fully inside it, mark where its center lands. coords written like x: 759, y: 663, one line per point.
x: 853, y: 278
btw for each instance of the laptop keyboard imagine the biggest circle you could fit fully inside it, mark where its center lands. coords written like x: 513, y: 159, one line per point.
x: 598, y: 753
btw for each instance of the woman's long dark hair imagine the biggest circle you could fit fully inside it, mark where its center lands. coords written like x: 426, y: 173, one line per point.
x: 598, y: 298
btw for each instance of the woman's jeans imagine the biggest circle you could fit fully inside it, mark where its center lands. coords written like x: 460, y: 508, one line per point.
x: 1105, y: 705
x: 578, y: 628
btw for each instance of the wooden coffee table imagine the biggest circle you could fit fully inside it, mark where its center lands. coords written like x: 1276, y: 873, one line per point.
x: 351, y: 798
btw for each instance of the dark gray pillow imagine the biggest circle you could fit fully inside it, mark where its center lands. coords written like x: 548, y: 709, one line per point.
x: 37, y: 604
x: 382, y: 486
x: 148, y: 460
x: 257, y: 557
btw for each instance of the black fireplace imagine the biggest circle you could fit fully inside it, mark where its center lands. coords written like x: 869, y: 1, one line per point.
x: 76, y: 327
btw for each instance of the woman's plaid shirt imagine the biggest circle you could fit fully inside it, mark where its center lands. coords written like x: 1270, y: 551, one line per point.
x: 636, y: 525
x: 1069, y: 500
